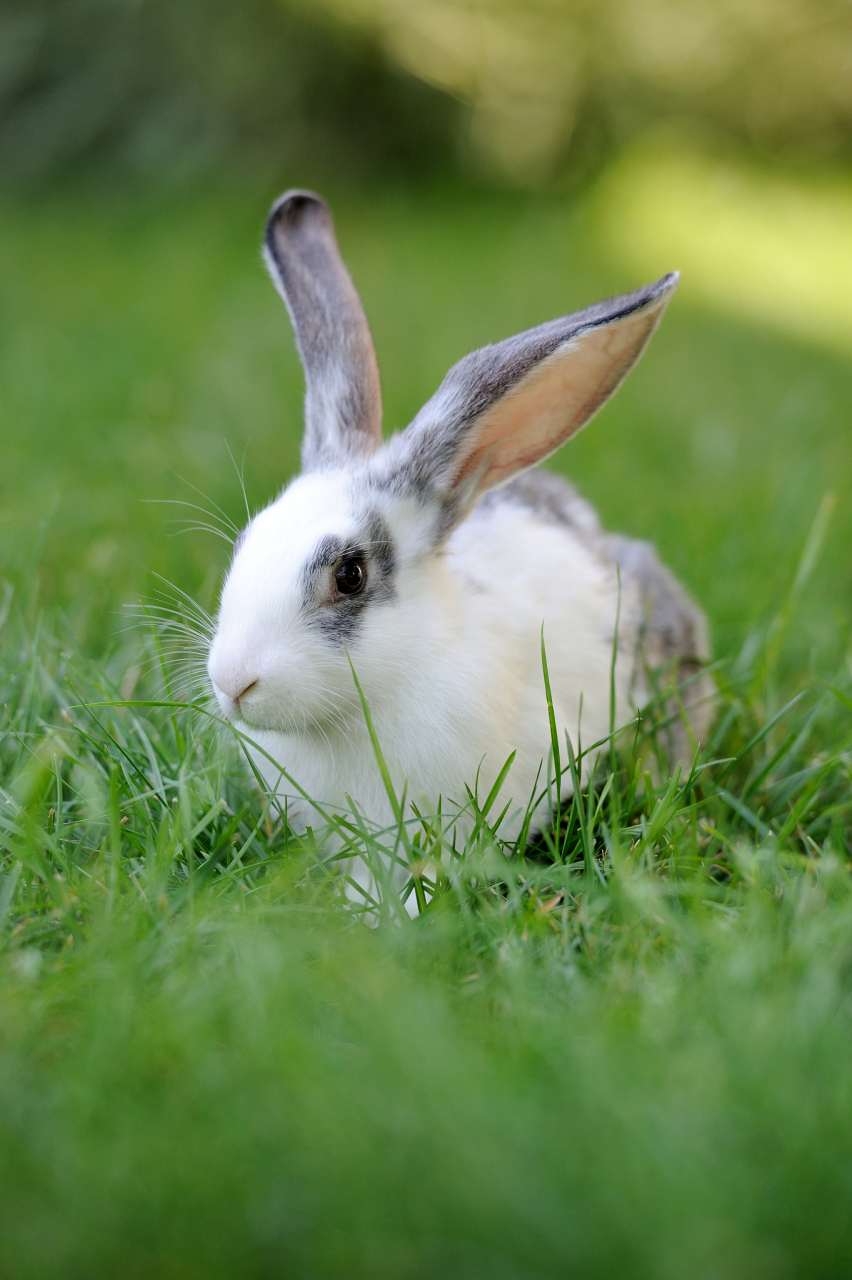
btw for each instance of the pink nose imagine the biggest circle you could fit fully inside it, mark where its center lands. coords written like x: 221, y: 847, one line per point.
x: 233, y: 683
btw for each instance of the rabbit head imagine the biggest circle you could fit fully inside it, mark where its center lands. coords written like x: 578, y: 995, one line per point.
x: 350, y: 561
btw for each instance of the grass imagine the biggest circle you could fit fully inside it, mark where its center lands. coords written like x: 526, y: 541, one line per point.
x: 625, y: 1053
x: 620, y: 1050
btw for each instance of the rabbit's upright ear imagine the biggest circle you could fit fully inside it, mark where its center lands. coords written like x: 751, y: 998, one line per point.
x: 508, y: 406
x: 343, y: 402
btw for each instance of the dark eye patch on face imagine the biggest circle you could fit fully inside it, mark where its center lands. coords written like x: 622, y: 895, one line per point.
x: 337, y: 613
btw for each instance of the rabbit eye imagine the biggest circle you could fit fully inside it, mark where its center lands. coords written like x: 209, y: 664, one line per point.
x: 350, y: 577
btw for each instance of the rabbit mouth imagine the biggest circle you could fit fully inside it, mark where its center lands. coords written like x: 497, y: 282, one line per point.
x: 272, y: 702
x: 241, y: 708
x: 293, y: 718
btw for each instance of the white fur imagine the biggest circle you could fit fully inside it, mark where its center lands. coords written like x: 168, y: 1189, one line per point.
x: 451, y: 668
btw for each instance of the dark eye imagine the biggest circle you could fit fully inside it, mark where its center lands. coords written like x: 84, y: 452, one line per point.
x: 350, y: 577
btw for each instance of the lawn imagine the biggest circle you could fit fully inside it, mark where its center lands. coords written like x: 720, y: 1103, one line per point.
x: 623, y: 1050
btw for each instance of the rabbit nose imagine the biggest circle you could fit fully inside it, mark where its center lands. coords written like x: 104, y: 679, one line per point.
x: 234, y: 684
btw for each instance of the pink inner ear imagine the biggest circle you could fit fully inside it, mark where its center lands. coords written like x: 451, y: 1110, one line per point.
x: 555, y: 399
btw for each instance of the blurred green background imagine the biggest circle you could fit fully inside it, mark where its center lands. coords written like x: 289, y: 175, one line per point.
x: 651, y: 1079
x: 491, y: 164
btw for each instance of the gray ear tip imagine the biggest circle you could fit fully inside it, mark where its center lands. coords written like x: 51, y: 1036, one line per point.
x: 665, y: 285
x: 292, y: 210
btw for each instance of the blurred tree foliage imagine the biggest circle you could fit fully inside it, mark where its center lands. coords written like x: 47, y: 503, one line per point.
x: 164, y: 86
x: 544, y: 78
x: 523, y: 88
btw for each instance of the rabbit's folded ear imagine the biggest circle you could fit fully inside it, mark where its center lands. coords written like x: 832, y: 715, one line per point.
x: 508, y: 406
x: 343, y: 403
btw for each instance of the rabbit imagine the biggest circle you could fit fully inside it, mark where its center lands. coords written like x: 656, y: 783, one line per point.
x: 429, y: 564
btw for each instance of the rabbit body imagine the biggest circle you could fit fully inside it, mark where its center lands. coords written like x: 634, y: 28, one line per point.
x: 429, y: 565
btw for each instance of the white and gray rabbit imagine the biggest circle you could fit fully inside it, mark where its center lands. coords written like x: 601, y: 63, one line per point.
x: 432, y: 561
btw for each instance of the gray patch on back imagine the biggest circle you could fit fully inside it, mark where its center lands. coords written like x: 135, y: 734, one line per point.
x: 671, y: 645
x: 674, y: 625
x: 552, y: 499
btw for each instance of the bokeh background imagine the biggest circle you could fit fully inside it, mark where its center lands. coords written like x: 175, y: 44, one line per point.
x: 491, y: 164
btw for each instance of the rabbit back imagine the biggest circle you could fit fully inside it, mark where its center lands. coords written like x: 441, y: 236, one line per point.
x: 662, y: 633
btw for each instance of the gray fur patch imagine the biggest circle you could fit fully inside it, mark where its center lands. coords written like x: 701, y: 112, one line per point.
x: 552, y: 499
x: 671, y: 644
x: 674, y: 625
x: 338, y: 620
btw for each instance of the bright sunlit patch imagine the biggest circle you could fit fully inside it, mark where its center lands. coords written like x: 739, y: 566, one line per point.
x: 775, y: 250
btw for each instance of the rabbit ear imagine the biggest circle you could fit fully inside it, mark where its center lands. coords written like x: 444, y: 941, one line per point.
x: 508, y: 406
x: 343, y: 402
